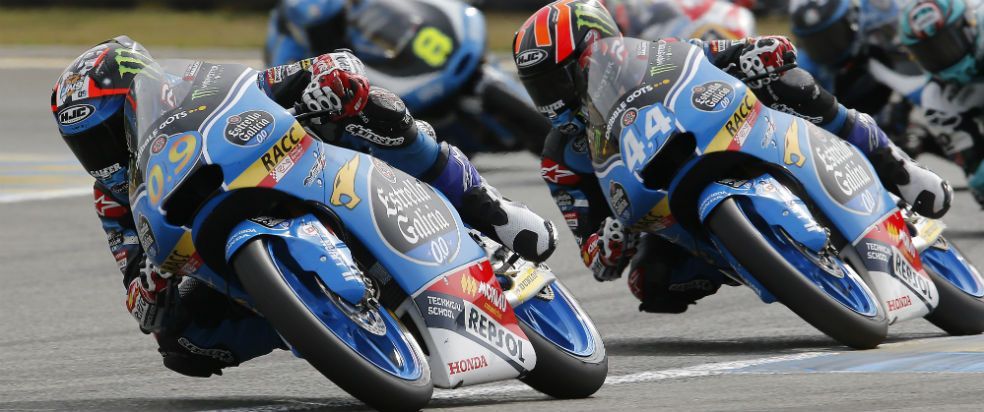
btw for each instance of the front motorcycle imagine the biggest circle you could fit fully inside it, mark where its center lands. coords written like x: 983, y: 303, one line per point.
x: 367, y: 273
x: 688, y: 153
x: 433, y: 54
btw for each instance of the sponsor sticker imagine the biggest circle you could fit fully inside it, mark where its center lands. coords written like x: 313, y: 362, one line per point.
x: 413, y: 220
x: 530, y: 58
x: 619, y: 200
x: 843, y: 171
x: 249, y: 128
x: 75, y: 113
x: 712, y: 96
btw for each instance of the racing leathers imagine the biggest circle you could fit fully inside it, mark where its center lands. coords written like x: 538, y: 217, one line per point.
x: 200, y: 330
x: 667, y: 278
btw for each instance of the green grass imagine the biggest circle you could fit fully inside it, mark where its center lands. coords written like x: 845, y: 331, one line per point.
x: 152, y: 27
x: 65, y: 26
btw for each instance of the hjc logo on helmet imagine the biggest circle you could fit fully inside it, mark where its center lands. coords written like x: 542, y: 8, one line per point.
x: 530, y: 57
x: 75, y: 114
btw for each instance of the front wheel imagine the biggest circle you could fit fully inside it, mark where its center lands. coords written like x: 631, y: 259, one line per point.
x: 361, y: 348
x: 823, y: 290
x: 570, y: 357
x: 961, y: 290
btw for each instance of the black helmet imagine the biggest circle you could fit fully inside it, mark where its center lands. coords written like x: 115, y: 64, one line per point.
x: 827, y: 29
x: 87, y: 102
x: 547, y: 50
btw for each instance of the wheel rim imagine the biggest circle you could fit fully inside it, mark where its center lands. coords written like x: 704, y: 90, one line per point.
x: 553, y: 316
x: 830, y: 274
x: 947, y: 261
x: 371, y: 331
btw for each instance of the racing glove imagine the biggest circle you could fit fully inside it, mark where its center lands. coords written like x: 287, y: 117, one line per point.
x: 152, y: 299
x: 338, y: 84
x: 608, y: 251
x: 764, y: 59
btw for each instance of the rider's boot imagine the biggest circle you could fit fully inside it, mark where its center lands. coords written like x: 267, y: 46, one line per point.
x: 928, y: 193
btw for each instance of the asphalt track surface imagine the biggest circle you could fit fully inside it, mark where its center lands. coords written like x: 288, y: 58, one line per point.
x: 68, y: 344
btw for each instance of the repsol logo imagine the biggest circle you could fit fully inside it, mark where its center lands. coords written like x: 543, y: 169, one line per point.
x: 280, y: 150
x: 75, y: 114
x: 488, y: 330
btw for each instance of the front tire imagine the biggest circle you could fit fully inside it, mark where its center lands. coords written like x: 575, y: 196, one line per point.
x: 749, y: 246
x: 275, y: 298
x: 559, y: 372
x: 959, y: 312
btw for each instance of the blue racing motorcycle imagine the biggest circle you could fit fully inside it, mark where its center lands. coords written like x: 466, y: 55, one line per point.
x: 685, y: 151
x: 433, y: 54
x: 367, y: 273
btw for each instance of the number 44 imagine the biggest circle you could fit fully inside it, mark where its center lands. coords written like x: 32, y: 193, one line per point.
x: 658, y: 125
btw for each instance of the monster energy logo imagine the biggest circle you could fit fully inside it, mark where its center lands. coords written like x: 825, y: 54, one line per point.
x: 130, y: 61
x: 591, y: 18
x: 204, y: 92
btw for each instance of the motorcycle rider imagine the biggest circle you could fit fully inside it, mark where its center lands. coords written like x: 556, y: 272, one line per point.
x: 199, y: 331
x: 944, y: 36
x: 839, y: 41
x: 851, y: 49
x: 552, y: 48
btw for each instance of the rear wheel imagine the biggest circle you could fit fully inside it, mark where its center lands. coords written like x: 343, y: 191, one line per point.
x: 823, y: 290
x: 361, y: 348
x: 961, y: 290
x: 570, y: 357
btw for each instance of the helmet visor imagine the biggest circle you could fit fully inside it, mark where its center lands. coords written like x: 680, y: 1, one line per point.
x: 831, y: 44
x: 553, y: 91
x: 944, y: 49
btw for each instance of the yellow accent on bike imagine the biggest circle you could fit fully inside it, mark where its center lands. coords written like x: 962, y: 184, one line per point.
x: 432, y: 46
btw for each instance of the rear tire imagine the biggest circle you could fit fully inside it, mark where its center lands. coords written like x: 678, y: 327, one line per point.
x: 750, y: 248
x: 319, y: 346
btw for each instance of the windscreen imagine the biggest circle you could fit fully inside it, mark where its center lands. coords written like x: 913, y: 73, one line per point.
x: 387, y: 25
x: 614, y: 67
x: 158, y: 90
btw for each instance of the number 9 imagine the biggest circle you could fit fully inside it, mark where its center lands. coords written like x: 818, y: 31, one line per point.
x: 432, y: 46
x: 155, y: 183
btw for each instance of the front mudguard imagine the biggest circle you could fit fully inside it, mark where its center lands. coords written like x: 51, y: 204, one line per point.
x: 775, y: 204
x: 314, y: 247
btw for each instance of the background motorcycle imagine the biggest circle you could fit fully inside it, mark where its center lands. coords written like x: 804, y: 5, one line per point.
x: 433, y: 54
x: 367, y: 273
x: 688, y: 153
x: 684, y: 19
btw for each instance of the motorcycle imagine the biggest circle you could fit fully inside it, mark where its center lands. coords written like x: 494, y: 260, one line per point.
x: 433, y: 54
x: 687, y: 152
x: 367, y: 273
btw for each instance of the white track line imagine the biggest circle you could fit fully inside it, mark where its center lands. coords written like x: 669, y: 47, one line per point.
x: 707, y: 369
x: 44, y: 195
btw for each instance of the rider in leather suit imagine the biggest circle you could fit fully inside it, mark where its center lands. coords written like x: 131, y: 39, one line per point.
x: 201, y: 330
x: 552, y: 48
x: 944, y: 36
